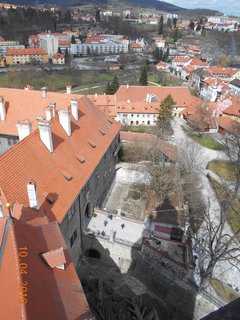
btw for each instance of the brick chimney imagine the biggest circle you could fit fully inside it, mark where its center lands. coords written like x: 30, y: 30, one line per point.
x: 2, y: 109
x: 44, y: 92
x: 68, y: 89
x: 24, y: 128
x: 46, y: 134
x: 74, y: 108
x: 64, y: 118
x: 32, y: 194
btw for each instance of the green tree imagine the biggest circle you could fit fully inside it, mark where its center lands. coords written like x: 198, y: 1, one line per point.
x: 191, y: 25
x: 143, y: 80
x: 97, y: 15
x: 174, y: 22
x: 112, y: 86
x: 165, y: 113
x: 175, y: 35
x: 169, y: 23
x: 59, y: 50
x: 160, y: 29
x: 73, y: 39
x: 224, y: 61
x: 66, y: 56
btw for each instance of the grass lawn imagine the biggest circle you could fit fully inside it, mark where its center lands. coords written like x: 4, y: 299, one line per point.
x: 207, y: 142
x: 224, y: 291
x: 223, y: 169
x: 148, y: 129
x: 153, y: 78
x: 233, y: 215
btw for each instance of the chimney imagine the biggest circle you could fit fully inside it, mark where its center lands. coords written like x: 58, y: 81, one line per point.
x: 68, y: 89
x: 64, y: 118
x: 2, y: 109
x: 24, y: 128
x: 128, y: 101
x: 127, y: 86
x: 96, y: 95
x: 74, y: 109
x: 44, y: 92
x: 53, y: 105
x: 32, y: 194
x: 147, y: 99
x: 46, y: 134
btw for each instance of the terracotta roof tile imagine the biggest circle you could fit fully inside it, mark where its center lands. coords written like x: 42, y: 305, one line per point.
x: 51, y: 293
x: 27, y: 51
x: 55, y: 258
x: 34, y: 161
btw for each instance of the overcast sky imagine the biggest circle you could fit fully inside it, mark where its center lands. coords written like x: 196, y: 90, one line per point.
x: 225, y: 6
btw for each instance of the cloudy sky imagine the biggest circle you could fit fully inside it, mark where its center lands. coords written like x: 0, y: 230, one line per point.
x: 225, y: 6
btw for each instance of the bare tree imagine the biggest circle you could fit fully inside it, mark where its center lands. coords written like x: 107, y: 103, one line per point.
x: 189, y: 154
x: 216, y: 240
x: 201, y: 118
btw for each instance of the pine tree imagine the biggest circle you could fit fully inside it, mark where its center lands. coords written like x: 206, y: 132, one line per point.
x: 169, y: 23
x: 160, y: 30
x: 191, y: 25
x: 165, y: 113
x: 66, y: 56
x: 59, y: 50
x: 73, y: 39
x: 174, y: 22
x: 115, y: 84
x: 143, y: 80
x: 97, y: 15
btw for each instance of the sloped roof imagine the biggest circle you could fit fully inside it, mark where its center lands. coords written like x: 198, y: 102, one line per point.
x: 58, y: 56
x: 52, y: 293
x: 222, y: 71
x: 26, y: 51
x: 30, y: 159
x: 234, y: 109
x: 229, y: 124
x: 29, y: 104
x: 181, y: 95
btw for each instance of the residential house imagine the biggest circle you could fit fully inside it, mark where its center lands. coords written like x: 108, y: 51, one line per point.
x: 162, y: 66
x: 58, y: 58
x: 24, y: 56
x: 235, y: 84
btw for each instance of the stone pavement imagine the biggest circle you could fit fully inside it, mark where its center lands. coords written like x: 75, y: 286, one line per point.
x: 132, y: 232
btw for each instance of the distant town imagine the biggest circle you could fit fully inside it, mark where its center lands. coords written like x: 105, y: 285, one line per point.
x: 120, y: 162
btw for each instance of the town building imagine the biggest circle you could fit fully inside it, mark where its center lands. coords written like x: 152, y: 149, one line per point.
x: 33, y: 41
x: 58, y: 58
x: 101, y: 44
x: 5, y: 45
x: 49, y: 43
x: 68, y: 169
x: 24, y: 56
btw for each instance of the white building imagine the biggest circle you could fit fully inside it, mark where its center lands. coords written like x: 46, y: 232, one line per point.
x: 5, y: 45
x: 49, y: 43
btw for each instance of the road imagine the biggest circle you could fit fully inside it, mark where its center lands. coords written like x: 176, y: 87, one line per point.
x: 224, y: 271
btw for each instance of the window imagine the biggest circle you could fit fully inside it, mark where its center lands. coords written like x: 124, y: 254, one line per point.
x: 71, y: 213
x: 73, y: 238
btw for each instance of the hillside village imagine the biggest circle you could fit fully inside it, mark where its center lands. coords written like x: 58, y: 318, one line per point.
x: 119, y: 156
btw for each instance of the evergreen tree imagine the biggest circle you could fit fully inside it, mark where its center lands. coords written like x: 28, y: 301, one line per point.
x: 160, y: 30
x: 174, y: 22
x: 108, y: 88
x: 66, y: 56
x: 115, y: 84
x: 166, y: 55
x: 191, y: 25
x: 59, y: 50
x: 143, y: 80
x: 165, y: 113
x: 73, y: 39
x: 175, y: 35
x: 97, y: 15
x: 169, y: 23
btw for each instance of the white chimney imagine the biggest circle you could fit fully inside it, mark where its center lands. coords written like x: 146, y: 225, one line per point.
x: 24, y: 128
x: 74, y: 108
x: 46, y: 134
x: 53, y: 106
x: 32, y: 194
x: 64, y: 118
x: 44, y: 92
x: 95, y: 95
x: 2, y: 109
x: 69, y: 89
x: 127, y: 85
x: 128, y: 101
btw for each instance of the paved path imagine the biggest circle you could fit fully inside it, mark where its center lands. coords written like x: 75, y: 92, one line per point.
x: 131, y: 233
x: 223, y: 271
x: 154, y: 83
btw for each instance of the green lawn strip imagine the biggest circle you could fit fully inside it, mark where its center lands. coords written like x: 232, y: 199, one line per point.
x: 233, y: 215
x: 207, y: 142
x: 224, y: 291
x: 223, y: 169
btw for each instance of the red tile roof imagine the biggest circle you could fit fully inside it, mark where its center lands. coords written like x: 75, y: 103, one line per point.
x: 51, y: 293
x: 229, y: 124
x: 181, y: 95
x: 55, y: 258
x: 222, y: 71
x: 58, y: 56
x: 34, y: 161
x: 64, y: 42
x: 181, y: 59
x: 26, y: 51
x: 234, y: 109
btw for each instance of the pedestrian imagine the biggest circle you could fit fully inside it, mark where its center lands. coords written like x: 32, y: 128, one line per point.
x: 105, y: 223
x: 122, y: 225
x: 103, y: 233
